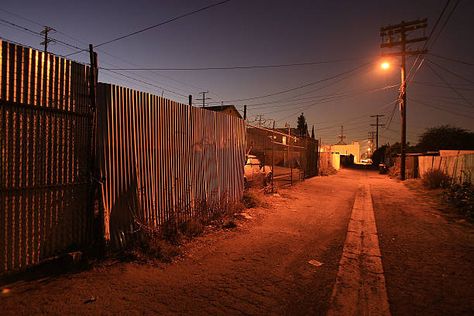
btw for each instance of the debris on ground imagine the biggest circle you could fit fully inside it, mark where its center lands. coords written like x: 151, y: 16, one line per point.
x: 315, y: 263
x: 91, y: 299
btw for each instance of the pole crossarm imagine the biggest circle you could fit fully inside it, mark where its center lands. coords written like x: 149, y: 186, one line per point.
x: 399, y: 43
x: 406, y: 53
x: 404, y: 27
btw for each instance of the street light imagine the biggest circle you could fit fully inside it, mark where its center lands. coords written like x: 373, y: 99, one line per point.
x: 385, y: 65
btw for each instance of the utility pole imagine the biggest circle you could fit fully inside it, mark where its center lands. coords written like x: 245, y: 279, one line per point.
x: 377, y: 128
x: 371, y: 140
x: 397, y: 36
x: 259, y: 119
x: 273, y: 156
x: 245, y: 112
x: 341, y: 137
x: 203, y: 99
x: 47, y: 40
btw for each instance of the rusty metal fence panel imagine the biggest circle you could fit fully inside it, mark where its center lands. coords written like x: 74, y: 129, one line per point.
x: 158, y: 158
x: 45, y: 136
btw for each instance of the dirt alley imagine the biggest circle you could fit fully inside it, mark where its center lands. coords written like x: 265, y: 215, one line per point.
x: 262, y: 268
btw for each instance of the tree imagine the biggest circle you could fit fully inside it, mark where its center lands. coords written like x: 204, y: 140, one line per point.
x: 302, y: 126
x: 446, y: 137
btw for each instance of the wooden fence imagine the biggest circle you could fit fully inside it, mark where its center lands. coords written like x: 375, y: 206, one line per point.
x: 159, y: 159
x: 45, y: 143
x: 459, y: 167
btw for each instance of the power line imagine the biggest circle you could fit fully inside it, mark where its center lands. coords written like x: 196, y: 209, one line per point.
x: 430, y: 42
x: 441, y: 109
x: 452, y: 59
x: 148, y: 83
x: 449, y: 85
x: 38, y: 33
x: 327, y: 101
x: 450, y: 71
x: 163, y: 23
x: 244, y: 67
x: 301, y: 86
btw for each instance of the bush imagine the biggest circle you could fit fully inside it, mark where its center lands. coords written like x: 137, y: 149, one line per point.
x: 250, y: 199
x: 462, y: 197
x: 435, y: 178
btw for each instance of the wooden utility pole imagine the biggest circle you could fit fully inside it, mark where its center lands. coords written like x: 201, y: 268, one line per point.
x: 203, y: 99
x: 245, y: 112
x: 273, y: 156
x: 47, y: 40
x: 377, y: 128
x: 397, y: 36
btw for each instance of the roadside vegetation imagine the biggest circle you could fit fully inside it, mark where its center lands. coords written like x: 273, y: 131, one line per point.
x: 163, y: 243
x: 460, y: 196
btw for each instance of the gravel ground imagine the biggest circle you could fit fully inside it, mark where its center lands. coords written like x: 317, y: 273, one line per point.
x: 261, y: 267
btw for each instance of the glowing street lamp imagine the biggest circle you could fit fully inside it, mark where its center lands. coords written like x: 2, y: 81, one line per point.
x: 385, y: 65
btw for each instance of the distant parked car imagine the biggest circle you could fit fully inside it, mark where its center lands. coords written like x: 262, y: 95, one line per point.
x: 256, y: 172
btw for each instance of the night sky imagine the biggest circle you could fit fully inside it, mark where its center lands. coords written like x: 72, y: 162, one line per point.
x: 342, y: 34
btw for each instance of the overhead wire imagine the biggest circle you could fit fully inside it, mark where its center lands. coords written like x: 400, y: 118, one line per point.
x: 449, y: 85
x: 26, y: 29
x: 301, y: 86
x: 441, y: 109
x: 455, y: 60
x: 240, y: 67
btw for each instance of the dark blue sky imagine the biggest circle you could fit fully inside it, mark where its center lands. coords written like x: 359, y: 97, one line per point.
x: 245, y: 32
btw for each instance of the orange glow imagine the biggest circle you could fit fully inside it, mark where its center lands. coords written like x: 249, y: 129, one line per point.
x: 385, y: 65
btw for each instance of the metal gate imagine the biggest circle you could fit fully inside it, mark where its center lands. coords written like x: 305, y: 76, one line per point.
x: 45, y: 145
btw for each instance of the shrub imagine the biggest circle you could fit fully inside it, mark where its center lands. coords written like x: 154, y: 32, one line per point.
x: 250, y: 199
x: 435, y: 178
x: 462, y: 197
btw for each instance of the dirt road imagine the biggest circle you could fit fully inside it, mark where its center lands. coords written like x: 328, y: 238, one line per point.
x: 262, y: 268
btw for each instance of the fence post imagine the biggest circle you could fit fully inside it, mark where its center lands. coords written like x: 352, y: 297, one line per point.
x: 95, y: 196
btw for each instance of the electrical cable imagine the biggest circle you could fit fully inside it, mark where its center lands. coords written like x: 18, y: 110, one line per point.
x: 452, y: 59
x: 449, y: 85
x: 163, y: 23
x: 301, y: 86
x: 310, y: 63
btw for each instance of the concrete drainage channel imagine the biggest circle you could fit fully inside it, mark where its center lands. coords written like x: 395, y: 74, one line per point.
x: 360, y: 284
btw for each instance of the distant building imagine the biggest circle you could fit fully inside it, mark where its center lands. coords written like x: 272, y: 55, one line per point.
x: 349, y: 149
x: 336, y: 151
x: 227, y: 109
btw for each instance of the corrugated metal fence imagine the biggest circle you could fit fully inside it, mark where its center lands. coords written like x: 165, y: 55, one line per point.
x: 45, y: 142
x: 159, y: 159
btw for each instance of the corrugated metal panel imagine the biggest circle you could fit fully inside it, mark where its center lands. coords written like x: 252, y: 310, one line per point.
x: 45, y: 146
x: 159, y: 157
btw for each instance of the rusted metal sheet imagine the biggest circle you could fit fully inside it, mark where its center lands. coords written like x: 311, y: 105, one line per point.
x: 159, y: 158
x: 45, y: 146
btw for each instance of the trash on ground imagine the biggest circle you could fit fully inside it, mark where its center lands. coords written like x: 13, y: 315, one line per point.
x: 246, y: 215
x: 5, y: 291
x: 92, y: 299
x: 315, y: 263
